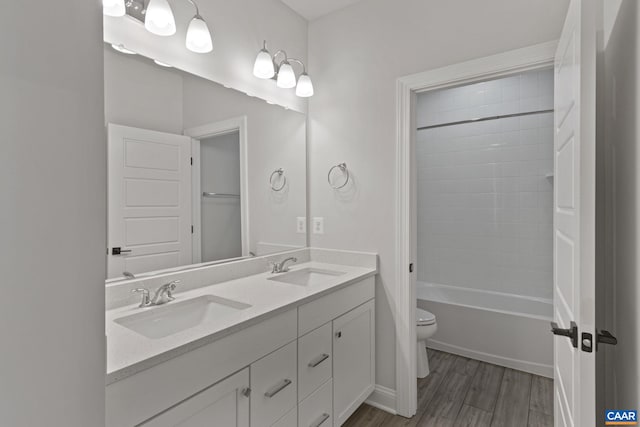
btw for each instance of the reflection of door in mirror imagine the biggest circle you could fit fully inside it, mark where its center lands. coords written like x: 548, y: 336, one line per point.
x: 220, y: 209
x: 149, y: 221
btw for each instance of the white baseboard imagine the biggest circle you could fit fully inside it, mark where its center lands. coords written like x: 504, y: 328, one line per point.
x: 521, y: 365
x: 383, y: 398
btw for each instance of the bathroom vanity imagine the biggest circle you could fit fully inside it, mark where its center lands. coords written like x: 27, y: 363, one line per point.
x: 236, y: 348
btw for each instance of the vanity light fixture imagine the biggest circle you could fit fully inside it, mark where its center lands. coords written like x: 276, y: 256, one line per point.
x: 267, y: 66
x: 159, y: 19
x: 198, y: 34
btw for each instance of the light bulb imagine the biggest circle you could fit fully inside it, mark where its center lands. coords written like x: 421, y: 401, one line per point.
x: 286, y: 76
x: 113, y: 8
x: 263, y: 67
x: 159, y: 18
x: 305, y: 86
x: 198, y: 36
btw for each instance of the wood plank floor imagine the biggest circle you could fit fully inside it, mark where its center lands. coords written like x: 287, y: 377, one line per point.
x: 461, y: 392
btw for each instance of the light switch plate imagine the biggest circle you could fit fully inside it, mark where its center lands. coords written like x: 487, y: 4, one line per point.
x: 301, y: 224
x: 318, y: 225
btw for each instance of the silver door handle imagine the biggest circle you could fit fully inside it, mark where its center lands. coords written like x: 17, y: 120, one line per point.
x: 320, y: 421
x: 318, y: 360
x: 278, y: 388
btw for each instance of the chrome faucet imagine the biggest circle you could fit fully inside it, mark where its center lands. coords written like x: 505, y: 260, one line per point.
x: 162, y: 295
x: 281, y: 267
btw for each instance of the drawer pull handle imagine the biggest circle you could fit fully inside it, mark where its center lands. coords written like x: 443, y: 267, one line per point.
x: 278, y: 388
x: 318, y: 360
x: 320, y: 421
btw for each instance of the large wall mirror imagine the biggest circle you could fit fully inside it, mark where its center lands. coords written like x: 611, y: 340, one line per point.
x: 198, y: 173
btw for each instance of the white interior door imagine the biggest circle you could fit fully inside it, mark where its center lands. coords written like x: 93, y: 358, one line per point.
x: 574, y: 216
x: 149, y: 200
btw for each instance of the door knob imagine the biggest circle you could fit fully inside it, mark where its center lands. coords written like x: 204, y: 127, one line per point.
x: 571, y: 333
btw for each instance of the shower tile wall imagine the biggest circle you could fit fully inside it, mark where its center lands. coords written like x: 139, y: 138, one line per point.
x: 485, y: 190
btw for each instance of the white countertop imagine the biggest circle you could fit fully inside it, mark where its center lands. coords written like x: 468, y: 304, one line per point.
x: 129, y: 352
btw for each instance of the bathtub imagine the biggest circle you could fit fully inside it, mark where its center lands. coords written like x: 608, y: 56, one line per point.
x: 503, y: 329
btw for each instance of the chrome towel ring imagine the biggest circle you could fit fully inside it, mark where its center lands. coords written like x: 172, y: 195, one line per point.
x: 345, y: 171
x: 272, y: 183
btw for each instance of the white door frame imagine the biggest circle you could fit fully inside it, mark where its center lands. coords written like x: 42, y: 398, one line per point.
x: 490, y: 67
x: 235, y: 124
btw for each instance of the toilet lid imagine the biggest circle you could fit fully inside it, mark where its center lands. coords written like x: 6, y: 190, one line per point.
x: 423, y: 317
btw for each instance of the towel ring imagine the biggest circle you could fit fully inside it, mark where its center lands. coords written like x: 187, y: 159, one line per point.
x: 280, y: 173
x: 343, y: 168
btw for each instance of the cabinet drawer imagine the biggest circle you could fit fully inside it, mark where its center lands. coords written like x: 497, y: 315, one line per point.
x: 274, y: 386
x: 289, y: 420
x: 335, y: 304
x: 316, y: 410
x: 314, y: 360
x: 224, y: 403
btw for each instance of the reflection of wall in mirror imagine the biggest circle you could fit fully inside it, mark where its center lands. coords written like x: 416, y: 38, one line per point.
x: 141, y: 94
x: 221, y: 216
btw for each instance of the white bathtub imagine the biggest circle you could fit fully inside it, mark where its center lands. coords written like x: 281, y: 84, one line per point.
x: 503, y: 329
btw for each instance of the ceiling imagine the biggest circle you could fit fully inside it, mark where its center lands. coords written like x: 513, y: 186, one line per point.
x: 314, y: 9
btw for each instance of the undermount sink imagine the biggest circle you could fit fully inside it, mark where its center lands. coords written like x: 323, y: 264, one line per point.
x: 307, y: 276
x: 162, y: 321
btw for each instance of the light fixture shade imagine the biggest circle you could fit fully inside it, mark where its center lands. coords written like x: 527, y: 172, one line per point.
x: 305, y: 86
x: 263, y: 67
x: 113, y: 8
x: 159, y: 18
x: 198, y: 36
x: 286, y: 76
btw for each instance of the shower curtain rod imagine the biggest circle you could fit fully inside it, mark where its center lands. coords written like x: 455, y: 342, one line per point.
x: 484, y: 119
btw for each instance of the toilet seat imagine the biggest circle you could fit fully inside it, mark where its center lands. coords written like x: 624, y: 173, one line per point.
x: 424, y: 318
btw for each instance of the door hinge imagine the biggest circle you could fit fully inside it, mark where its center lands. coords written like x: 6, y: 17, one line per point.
x: 192, y: 229
x: 411, y: 268
x: 192, y: 161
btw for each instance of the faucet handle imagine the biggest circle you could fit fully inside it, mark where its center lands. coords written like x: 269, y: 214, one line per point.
x: 172, y: 287
x: 145, y: 296
x: 273, y: 266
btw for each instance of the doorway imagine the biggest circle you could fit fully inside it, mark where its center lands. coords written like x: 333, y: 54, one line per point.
x: 494, y: 67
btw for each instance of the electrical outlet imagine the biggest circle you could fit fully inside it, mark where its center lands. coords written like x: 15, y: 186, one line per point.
x: 301, y: 224
x: 318, y: 225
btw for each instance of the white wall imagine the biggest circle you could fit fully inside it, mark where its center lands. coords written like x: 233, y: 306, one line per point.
x: 485, y: 201
x: 622, y: 94
x: 356, y: 55
x: 53, y: 216
x: 238, y: 29
x: 221, y: 217
x: 276, y: 139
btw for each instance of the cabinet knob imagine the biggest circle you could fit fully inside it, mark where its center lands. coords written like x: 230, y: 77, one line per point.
x: 339, y: 334
x: 246, y: 392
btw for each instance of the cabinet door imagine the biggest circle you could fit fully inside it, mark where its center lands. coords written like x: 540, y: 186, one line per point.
x: 353, y: 360
x: 221, y: 405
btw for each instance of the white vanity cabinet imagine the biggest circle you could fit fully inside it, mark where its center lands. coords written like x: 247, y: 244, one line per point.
x: 353, y: 360
x: 225, y: 403
x: 310, y: 366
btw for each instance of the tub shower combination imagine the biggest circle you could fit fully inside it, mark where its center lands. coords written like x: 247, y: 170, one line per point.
x: 484, y: 155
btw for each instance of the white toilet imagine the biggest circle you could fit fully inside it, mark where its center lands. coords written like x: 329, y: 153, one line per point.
x: 426, y: 326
